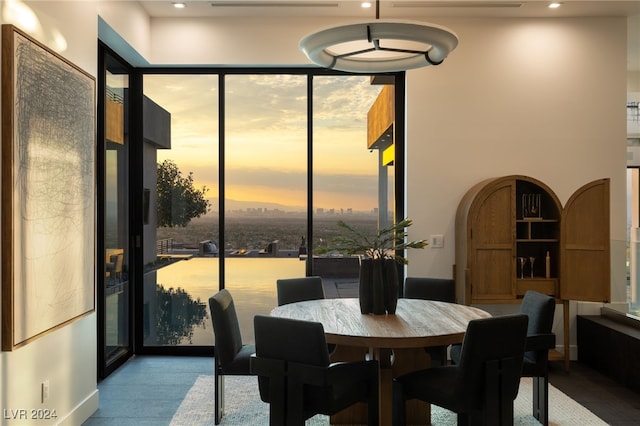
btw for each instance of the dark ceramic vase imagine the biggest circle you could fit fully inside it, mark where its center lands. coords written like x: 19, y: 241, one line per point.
x: 377, y: 287
x: 364, y: 288
x: 391, y: 285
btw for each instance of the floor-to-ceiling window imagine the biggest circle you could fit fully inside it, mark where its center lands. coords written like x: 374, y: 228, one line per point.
x: 265, y: 187
x: 181, y: 234
x: 245, y: 174
x: 633, y: 167
x: 352, y: 182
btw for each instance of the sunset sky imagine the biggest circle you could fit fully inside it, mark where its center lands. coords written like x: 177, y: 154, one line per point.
x: 266, y: 137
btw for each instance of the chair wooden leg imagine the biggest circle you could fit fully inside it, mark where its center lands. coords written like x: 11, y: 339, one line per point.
x: 501, y: 415
x: 218, y: 395
x: 278, y: 401
x: 541, y: 399
x: 373, y: 412
x: 497, y: 408
x: 463, y: 419
x: 475, y: 418
x: 294, y: 403
x: 506, y: 413
x: 399, y: 405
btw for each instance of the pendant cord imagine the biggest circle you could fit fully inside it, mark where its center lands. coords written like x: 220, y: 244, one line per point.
x: 377, y: 9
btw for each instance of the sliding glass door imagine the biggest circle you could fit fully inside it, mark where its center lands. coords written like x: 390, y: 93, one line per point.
x: 114, y: 281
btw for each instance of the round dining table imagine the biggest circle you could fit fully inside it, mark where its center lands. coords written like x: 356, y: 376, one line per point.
x: 397, y: 341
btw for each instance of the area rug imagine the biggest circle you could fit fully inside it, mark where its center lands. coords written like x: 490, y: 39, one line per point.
x: 243, y: 407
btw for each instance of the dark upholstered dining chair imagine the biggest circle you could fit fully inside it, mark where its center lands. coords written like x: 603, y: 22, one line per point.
x: 439, y: 289
x: 231, y: 356
x: 292, y: 290
x: 296, y: 378
x: 482, y: 387
x: 540, y: 309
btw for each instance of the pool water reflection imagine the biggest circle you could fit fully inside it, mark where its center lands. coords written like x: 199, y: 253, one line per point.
x: 176, y: 320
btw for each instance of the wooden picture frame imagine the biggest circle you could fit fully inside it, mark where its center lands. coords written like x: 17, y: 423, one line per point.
x: 48, y: 190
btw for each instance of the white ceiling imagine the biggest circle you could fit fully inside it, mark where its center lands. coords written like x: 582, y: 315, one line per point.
x: 408, y: 9
x: 392, y: 9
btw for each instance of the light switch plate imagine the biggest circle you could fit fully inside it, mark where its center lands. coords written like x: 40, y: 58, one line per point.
x: 436, y: 241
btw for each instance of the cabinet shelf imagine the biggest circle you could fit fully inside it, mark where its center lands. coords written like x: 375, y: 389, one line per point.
x: 534, y: 278
x: 537, y: 230
x: 540, y: 284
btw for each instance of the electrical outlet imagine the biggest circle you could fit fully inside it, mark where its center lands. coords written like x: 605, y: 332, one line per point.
x: 45, y: 390
x: 436, y: 241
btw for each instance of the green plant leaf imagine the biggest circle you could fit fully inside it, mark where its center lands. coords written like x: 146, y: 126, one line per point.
x: 386, y: 243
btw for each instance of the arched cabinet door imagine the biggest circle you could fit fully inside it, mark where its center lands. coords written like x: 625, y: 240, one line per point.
x: 585, y: 242
x: 491, y: 255
x: 499, y: 222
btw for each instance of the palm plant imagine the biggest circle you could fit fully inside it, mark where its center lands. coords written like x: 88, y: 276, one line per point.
x: 387, y: 243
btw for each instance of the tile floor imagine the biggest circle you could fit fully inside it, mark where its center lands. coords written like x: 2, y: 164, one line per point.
x: 148, y: 390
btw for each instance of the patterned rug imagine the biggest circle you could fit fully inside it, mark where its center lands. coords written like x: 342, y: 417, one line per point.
x: 243, y: 407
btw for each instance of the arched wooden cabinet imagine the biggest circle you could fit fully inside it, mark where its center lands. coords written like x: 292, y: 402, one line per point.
x: 503, y: 220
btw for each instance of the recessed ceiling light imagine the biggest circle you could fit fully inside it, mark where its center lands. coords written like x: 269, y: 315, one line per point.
x: 179, y: 5
x: 366, y: 4
x: 554, y: 5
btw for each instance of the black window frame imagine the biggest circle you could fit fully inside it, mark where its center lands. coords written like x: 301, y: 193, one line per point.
x: 137, y: 191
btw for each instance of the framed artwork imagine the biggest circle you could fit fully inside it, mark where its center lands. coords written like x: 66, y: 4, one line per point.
x: 48, y: 190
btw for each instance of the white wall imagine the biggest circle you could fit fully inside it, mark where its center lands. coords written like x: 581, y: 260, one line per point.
x: 232, y: 40
x: 130, y: 25
x: 67, y: 357
x: 633, y: 81
x: 517, y: 97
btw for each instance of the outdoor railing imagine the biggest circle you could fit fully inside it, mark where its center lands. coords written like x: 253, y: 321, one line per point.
x: 164, y: 246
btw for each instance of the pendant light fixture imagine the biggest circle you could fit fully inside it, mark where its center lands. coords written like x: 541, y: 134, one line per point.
x: 379, y: 46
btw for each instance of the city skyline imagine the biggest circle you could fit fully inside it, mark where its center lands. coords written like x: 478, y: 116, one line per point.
x: 273, y: 210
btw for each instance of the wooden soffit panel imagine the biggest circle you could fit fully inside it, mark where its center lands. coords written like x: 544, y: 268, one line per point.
x: 115, y: 121
x: 381, y: 116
